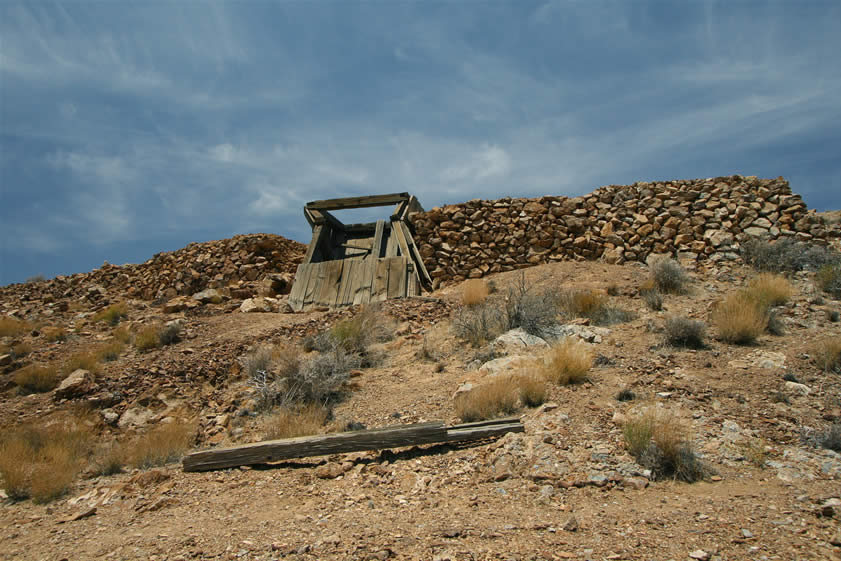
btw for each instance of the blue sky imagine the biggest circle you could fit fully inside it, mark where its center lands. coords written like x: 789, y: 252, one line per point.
x: 132, y: 128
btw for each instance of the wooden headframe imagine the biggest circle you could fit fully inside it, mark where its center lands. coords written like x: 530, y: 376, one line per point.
x: 348, y: 264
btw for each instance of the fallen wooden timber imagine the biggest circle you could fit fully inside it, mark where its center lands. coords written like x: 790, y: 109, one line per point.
x: 355, y: 441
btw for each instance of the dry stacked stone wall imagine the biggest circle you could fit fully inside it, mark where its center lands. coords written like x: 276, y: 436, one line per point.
x: 693, y: 219
x: 245, y: 258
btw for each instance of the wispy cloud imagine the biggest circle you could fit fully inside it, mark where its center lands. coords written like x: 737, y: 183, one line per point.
x: 125, y: 123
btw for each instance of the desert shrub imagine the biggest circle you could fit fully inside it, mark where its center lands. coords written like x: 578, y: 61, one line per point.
x: 659, y: 442
x: 771, y: 289
x: 786, y: 255
x: 834, y: 316
x: 170, y: 334
x: 164, y: 443
x: 531, y: 387
x: 653, y: 299
x: 567, y: 362
x: 473, y: 292
x: 258, y: 360
x: 35, y: 278
x: 685, y: 332
x: 669, y: 276
x: 828, y: 279
x: 37, y: 379
x: 827, y: 354
x: 355, y: 334
x: 109, y: 351
x: 612, y: 289
x: 12, y: 327
x: 320, y: 380
x: 530, y: 307
x: 481, y: 323
x: 147, y: 338
x: 775, y: 324
x: 112, y: 314
x: 494, y: 398
x: 831, y: 438
x: 739, y: 319
x: 625, y: 394
x: 41, y: 462
x: 301, y: 421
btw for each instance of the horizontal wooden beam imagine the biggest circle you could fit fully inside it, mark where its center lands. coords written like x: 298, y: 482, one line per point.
x: 355, y: 441
x: 358, y: 202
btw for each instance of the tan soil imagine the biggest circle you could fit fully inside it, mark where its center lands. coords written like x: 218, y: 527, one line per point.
x: 450, y: 502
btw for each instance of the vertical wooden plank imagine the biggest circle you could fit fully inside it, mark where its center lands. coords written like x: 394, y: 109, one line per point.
x: 397, y: 277
x: 299, y: 286
x: 397, y: 232
x: 420, y: 268
x: 317, y: 273
x: 356, y: 280
x: 376, y: 249
x: 343, y: 292
x: 379, y: 290
x: 391, y: 243
x: 326, y: 295
x: 317, y: 232
x: 366, y: 281
x: 412, y: 288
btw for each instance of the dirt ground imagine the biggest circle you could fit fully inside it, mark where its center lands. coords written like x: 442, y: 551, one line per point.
x: 564, y: 489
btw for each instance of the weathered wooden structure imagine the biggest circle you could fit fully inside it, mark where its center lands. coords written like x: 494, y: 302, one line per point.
x: 350, y: 264
x: 355, y: 441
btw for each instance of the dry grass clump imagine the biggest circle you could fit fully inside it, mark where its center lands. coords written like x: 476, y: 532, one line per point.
x: 567, y: 362
x: 652, y: 298
x: 36, y: 378
x: 828, y: 279
x: 582, y: 303
x: 591, y: 304
x: 110, y: 351
x: 473, y: 292
x: 771, y: 289
x: 827, y: 354
x: 12, y: 327
x: 531, y: 386
x: 21, y: 349
x: 164, y: 443
x: 86, y: 360
x: 740, y: 318
x: 155, y: 336
x: 499, y: 396
x: 289, y: 423
x: 112, y: 314
x: 659, y: 442
x: 668, y: 276
x: 53, y: 334
x: 41, y: 462
x: 148, y: 338
x: 685, y: 332
x: 122, y: 334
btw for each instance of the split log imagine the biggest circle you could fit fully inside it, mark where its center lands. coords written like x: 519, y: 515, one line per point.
x: 355, y: 441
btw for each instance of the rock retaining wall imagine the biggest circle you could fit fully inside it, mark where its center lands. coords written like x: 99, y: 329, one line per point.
x: 695, y: 219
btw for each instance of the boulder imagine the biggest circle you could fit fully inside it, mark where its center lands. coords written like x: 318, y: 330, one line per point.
x: 76, y: 384
x: 250, y: 305
x: 209, y: 296
x: 135, y: 417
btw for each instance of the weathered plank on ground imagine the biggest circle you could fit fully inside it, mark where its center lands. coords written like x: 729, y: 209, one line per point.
x: 357, y: 441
